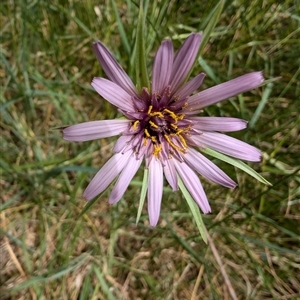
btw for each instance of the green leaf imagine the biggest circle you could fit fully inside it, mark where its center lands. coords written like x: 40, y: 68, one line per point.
x: 261, y: 105
x: 88, y: 206
x: 143, y: 195
x: 103, y: 283
x: 121, y: 28
x: 213, y: 20
x: 142, y: 78
x: 194, y: 209
x: 215, y: 16
x: 237, y: 163
x: 63, y: 270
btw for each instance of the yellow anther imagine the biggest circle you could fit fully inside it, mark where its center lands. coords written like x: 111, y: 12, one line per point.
x: 174, y: 126
x: 157, y: 149
x: 181, y: 117
x: 172, y: 115
x: 168, y: 111
x: 153, y: 124
x: 153, y: 139
x: 135, y: 124
x: 157, y: 113
x: 147, y: 133
x: 173, y: 145
x: 150, y: 109
x: 182, y: 141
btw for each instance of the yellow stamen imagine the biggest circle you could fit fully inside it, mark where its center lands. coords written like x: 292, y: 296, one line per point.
x: 145, y: 142
x: 153, y: 124
x: 172, y: 114
x: 173, y: 145
x: 135, y: 124
x: 147, y: 133
x: 153, y: 139
x: 157, y: 149
x: 182, y: 141
x: 157, y: 113
x: 181, y: 117
x: 150, y: 109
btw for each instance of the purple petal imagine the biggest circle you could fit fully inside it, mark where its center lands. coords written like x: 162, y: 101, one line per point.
x: 122, y: 142
x: 113, y: 93
x: 208, y: 169
x: 106, y: 175
x: 113, y: 70
x: 94, y: 130
x: 193, y: 184
x: 155, y: 189
x: 184, y: 60
x: 190, y: 87
x: 162, y: 67
x: 222, y: 124
x: 124, y: 179
x: 170, y: 173
x: 227, y: 145
x: 225, y: 90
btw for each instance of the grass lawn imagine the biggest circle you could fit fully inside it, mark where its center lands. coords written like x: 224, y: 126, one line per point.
x: 49, y: 251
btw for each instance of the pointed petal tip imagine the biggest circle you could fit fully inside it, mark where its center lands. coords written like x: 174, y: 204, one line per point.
x: 196, y: 34
x: 153, y: 223
x: 113, y: 69
x: 86, y: 197
x: 162, y: 66
x: 260, y: 76
x: 184, y: 60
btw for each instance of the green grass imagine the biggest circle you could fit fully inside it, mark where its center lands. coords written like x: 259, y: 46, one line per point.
x: 49, y: 251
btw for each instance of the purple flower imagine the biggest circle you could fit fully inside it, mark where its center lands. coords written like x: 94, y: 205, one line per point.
x: 161, y: 126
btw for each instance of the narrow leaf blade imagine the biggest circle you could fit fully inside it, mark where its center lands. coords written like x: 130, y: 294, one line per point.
x: 143, y: 195
x: 194, y: 209
x: 142, y: 78
x: 237, y: 163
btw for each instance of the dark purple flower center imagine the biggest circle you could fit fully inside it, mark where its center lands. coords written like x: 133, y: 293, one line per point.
x: 160, y: 121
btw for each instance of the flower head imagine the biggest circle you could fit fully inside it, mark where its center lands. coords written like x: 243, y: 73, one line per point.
x: 162, y: 127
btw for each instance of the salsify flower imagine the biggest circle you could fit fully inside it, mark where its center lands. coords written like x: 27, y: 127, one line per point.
x: 162, y: 127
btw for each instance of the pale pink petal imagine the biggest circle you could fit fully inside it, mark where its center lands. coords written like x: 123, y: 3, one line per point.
x: 188, y: 88
x: 94, y: 130
x: 122, y: 142
x: 155, y: 190
x: 193, y: 184
x: 225, y: 90
x: 222, y: 124
x: 184, y: 60
x: 208, y: 169
x: 106, y: 175
x: 170, y: 173
x: 227, y: 145
x: 113, y: 70
x: 113, y: 93
x: 124, y: 179
x: 162, y: 67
